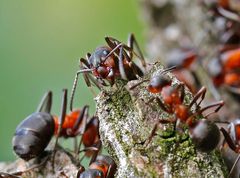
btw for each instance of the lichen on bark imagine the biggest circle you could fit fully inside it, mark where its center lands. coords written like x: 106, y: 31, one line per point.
x: 127, y: 119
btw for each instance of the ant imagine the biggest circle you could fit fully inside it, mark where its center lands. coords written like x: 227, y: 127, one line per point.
x: 224, y: 70
x: 34, y: 133
x: 101, y: 166
x: 232, y: 137
x: 224, y: 8
x: 157, y: 82
x: 108, y: 63
x: 183, y: 60
x: 205, y: 134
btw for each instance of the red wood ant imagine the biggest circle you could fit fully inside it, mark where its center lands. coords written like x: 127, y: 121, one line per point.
x: 205, y: 134
x: 101, y: 166
x: 158, y: 82
x: 34, y: 133
x: 224, y: 70
x: 108, y: 63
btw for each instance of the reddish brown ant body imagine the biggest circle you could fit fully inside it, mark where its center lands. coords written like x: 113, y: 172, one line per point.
x: 157, y: 82
x: 100, y: 166
x: 34, y: 133
x: 205, y: 134
x: 108, y: 63
x: 103, y: 167
x: 224, y: 70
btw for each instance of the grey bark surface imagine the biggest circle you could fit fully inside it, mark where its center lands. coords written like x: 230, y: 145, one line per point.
x: 126, y: 120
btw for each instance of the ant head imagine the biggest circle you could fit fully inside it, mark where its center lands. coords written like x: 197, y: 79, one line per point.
x: 158, y: 82
x: 99, y: 56
x: 205, y: 135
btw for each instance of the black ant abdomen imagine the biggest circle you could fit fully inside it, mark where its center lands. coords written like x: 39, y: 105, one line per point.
x: 205, y: 135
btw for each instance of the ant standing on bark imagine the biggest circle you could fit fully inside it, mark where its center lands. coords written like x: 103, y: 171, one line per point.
x: 101, y: 166
x: 34, y: 133
x: 205, y: 134
x: 108, y: 63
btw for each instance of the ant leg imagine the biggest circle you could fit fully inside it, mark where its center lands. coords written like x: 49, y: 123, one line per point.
x: 61, y: 121
x: 152, y: 134
x: 182, y: 91
x: 94, y: 156
x: 161, y: 104
x: 228, y: 14
x: 84, y: 113
x: 217, y: 104
x: 46, y: 103
x: 136, y: 70
x: 137, y: 84
x: 95, y: 149
x: 231, y: 144
x: 80, y: 171
x: 228, y: 139
x: 201, y: 93
x: 131, y: 42
x: 75, y: 85
x: 168, y: 69
x: 196, y: 79
x: 121, y: 65
x: 84, y: 120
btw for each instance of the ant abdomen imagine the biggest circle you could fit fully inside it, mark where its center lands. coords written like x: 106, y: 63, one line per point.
x: 33, y: 135
x: 205, y: 135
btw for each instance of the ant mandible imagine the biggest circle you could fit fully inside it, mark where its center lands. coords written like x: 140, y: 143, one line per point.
x: 108, y: 63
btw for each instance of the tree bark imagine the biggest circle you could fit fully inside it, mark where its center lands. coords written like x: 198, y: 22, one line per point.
x: 127, y: 119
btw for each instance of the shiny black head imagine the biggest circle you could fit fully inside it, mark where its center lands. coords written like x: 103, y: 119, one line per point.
x: 99, y: 56
x: 205, y: 135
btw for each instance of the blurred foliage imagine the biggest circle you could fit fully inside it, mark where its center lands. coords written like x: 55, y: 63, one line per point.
x: 40, y: 43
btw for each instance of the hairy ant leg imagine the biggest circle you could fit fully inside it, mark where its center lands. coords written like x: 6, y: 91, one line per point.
x: 61, y: 121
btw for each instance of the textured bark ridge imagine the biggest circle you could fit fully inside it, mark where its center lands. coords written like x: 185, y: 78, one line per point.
x: 126, y: 120
x: 65, y: 166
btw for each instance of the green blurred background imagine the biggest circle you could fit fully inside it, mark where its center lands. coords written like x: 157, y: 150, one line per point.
x: 40, y: 43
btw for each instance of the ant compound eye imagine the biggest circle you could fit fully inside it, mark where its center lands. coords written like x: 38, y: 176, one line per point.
x: 105, y: 52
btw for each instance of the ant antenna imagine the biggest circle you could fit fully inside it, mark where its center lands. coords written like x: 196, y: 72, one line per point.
x: 75, y: 85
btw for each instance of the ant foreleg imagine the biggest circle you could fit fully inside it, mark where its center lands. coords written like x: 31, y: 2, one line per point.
x: 232, y: 146
x: 219, y: 105
x: 201, y: 93
x: 160, y: 103
x: 131, y: 42
x: 46, y: 103
x: 61, y: 121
